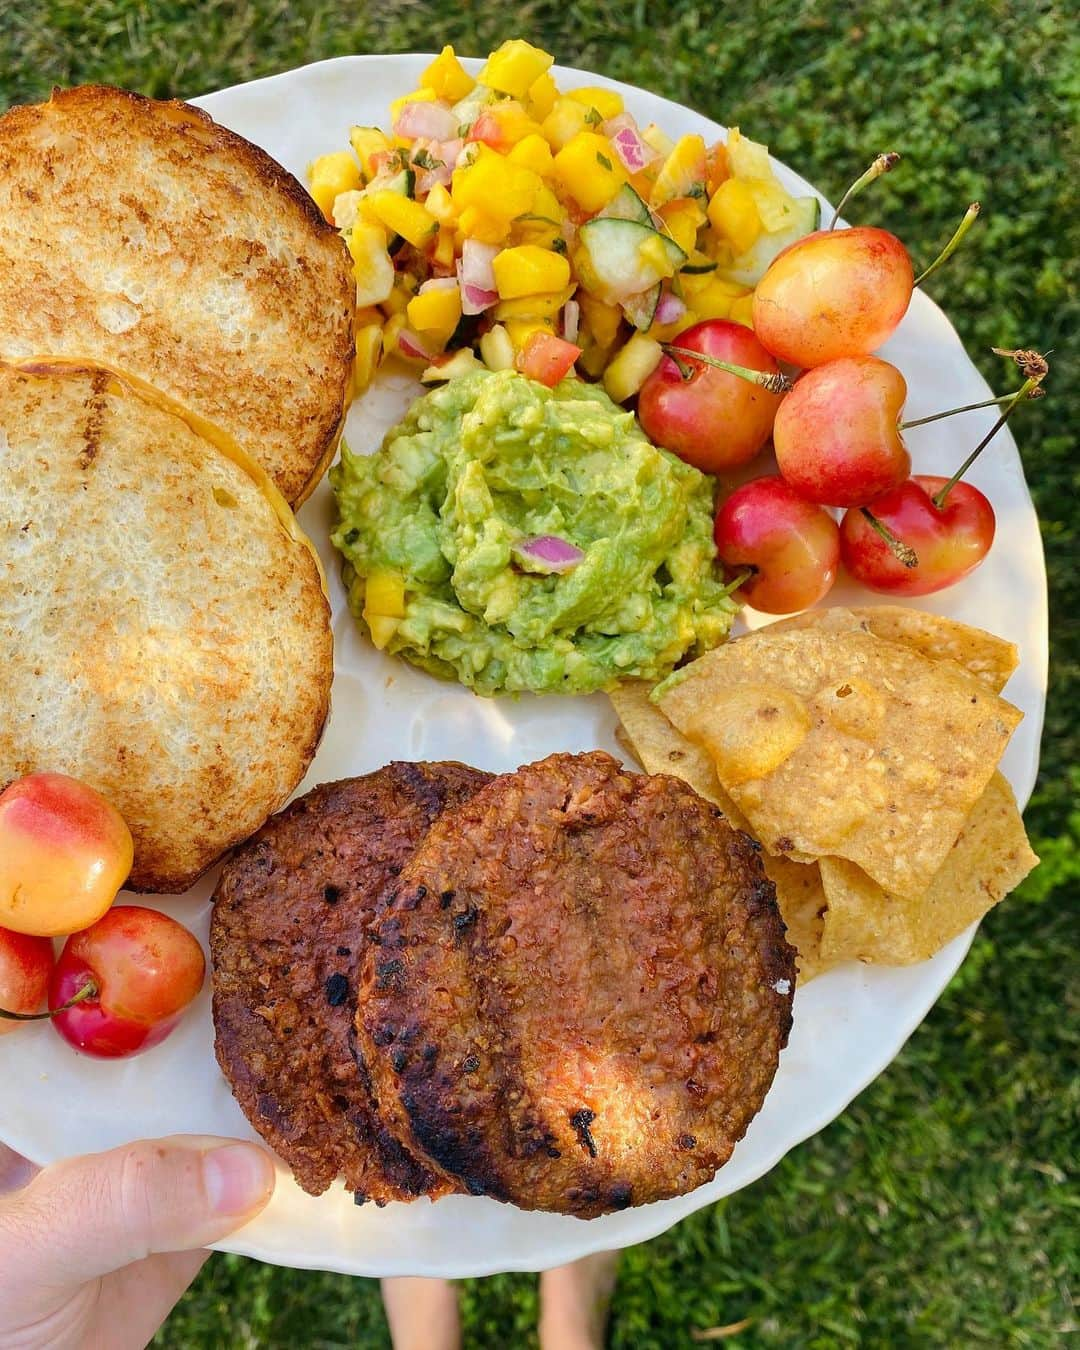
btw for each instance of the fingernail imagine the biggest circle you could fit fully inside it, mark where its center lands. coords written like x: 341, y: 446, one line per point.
x: 238, y: 1178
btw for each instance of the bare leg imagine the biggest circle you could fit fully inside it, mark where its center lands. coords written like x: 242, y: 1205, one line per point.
x: 422, y: 1313
x: 574, y: 1302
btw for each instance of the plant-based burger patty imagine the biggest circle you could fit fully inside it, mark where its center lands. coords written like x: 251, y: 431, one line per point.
x: 577, y: 989
x: 287, y: 935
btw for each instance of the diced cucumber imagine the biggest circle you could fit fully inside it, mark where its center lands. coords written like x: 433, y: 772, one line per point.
x: 618, y: 256
x: 641, y: 309
x: 626, y: 205
x: 401, y: 181
x: 749, y: 267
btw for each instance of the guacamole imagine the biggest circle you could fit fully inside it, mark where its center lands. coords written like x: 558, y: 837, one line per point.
x: 449, y: 511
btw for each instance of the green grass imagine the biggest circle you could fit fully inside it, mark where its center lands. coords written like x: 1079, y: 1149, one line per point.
x: 936, y: 1211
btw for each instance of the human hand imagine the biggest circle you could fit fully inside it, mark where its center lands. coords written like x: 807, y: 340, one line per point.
x: 95, y: 1251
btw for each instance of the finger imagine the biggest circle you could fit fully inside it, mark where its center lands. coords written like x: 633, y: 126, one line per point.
x: 15, y: 1170
x: 89, y: 1216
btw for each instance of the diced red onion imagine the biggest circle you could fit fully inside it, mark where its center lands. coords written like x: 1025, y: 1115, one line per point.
x: 547, y: 553
x: 475, y: 299
x: 571, y: 318
x: 426, y: 179
x: 476, y: 264
x: 669, y: 308
x: 632, y: 150
x: 434, y: 121
x: 411, y: 345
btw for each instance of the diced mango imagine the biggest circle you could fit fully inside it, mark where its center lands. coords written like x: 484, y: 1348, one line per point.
x: 565, y: 120
x: 529, y: 270
x: 448, y: 77
x: 711, y: 297
x: 443, y: 253
x: 590, y: 170
x: 542, y: 95
x: 521, y: 330
x: 717, y: 168
x: 384, y: 594
x: 441, y: 205
x: 329, y: 176
x: 747, y: 158
x: 658, y: 140
x: 733, y: 214
x: 497, y: 349
x: 514, y: 67
x: 372, y: 265
x: 533, y: 152
x: 653, y: 253
x: 463, y: 362
x: 775, y: 207
x: 477, y: 224
x: 684, y: 217
x: 392, y: 345
x: 495, y: 187
x: 368, y: 354
x: 367, y: 314
x: 742, y: 311
x: 599, y: 320
x: 366, y: 143
x: 435, y: 313
x: 606, y: 101
x: 382, y: 629
x: 400, y: 295
x: 683, y: 172
x: 405, y: 217
x: 538, y: 306
x: 543, y: 224
x: 630, y: 369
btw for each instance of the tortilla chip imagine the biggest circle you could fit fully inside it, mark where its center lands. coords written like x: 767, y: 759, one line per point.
x: 659, y: 748
x: 990, y: 858
x: 801, y: 898
x: 858, y: 748
x: 989, y: 658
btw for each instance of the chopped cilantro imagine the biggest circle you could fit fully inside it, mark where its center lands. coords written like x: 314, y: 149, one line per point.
x: 558, y: 245
x: 423, y: 159
x: 593, y: 118
x: 603, y: 161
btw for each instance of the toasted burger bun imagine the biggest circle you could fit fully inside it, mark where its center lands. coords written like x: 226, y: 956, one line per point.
x: 142, y: 236
x: 164, y: 632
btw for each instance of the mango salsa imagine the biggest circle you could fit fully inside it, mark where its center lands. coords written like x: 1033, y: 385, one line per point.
x: 495, y: 206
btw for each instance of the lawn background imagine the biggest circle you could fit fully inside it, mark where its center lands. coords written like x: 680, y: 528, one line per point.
x: 937, y: 1210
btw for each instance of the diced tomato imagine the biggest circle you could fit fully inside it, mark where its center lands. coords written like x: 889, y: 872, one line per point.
x: 547, y: 358
x: 488, y: 128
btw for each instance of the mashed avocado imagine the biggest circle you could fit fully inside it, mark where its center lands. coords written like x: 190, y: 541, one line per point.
x: 490, y: 460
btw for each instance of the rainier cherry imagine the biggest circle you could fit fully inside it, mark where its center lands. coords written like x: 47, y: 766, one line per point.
x: 837, y: 293
x: 791, y: 545
x: 25, y: 966
x: 64, y: 853
x: 929, y: 532
x: 122, y: 985
x: 837, y: 434
x: 713, y: 397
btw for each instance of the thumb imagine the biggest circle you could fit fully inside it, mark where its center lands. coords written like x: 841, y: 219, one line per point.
x: 89, y: 1216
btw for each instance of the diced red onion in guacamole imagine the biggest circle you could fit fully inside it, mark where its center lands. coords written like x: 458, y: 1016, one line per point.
x: 547, y: 553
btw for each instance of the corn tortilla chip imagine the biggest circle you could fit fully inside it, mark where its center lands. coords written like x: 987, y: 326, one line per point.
x: 859, y: 748
x: 990, y: 858
x: 989, y: 658
x: 659, y: 748
x: 801, y: 898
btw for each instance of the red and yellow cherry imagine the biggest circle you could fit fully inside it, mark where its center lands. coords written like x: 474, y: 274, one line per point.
x: 64, y: 853
x: 791, y: 545
x: 708, y: 416
x: 25, y: 966
x: 837, y: 434
x: 833, y: 293
x: 133, y: 973
x: 948, y: 540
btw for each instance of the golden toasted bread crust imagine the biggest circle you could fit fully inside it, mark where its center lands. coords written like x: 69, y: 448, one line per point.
x: 163, y: 635
x: 142, y: 235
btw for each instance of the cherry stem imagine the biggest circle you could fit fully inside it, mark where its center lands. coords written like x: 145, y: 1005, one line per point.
x: 87, y: 990
x: 970, y: 216
x: 743, y: 577
x: 902, y: 552
x: 881, y: 165
x: 775, y: 384
x: 1023, y: 392
x: 1036, y: 392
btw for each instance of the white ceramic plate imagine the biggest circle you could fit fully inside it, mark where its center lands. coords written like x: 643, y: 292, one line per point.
x: 848, y: 1024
